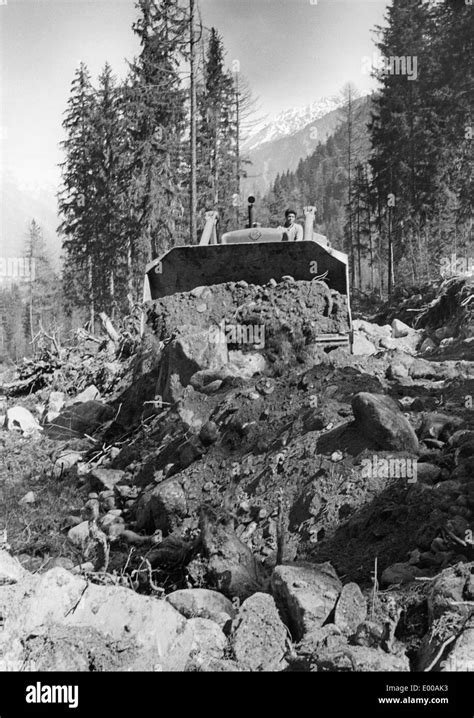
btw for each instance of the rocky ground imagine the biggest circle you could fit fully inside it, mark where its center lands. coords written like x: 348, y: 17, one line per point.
x: 226, y: 495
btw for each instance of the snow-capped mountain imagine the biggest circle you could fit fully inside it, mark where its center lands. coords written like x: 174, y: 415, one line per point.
x: 289, y: 122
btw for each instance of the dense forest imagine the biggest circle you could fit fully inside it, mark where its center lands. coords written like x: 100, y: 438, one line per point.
x: 393, y: 185
x: 145, y: 157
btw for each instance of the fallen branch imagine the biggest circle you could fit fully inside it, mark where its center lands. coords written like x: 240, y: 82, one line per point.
x: 109, y: 328
x: 51, y: 338
x: 440, y: 653
x: 83, y: 334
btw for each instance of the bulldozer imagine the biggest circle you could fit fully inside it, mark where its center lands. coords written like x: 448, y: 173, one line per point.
x: 255, y: 254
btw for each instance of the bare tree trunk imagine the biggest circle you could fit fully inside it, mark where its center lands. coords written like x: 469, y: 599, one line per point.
x: 390, y: 252
x: 192, y: 89
x: 129, y: 268
x: 359, y: 258
x: 237, y: 148
x: 379, y: 246
x: 112, y: 294
x: 31, y: 308
x: 216, y: 171
x: 369, y: 229
x: 91, y: 295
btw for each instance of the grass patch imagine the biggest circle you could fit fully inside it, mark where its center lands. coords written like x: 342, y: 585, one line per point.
x: 37, y: 529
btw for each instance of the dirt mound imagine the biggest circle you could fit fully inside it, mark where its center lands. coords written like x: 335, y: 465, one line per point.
x: 298, y: 311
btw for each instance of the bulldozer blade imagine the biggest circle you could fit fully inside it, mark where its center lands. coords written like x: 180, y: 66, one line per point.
x: 182, y: 269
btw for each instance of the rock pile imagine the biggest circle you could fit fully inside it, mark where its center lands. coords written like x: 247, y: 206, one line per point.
x: 239, y: 507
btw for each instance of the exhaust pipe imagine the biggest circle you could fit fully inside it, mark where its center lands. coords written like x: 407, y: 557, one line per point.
x: 309, y: 213
x: 251, y: 201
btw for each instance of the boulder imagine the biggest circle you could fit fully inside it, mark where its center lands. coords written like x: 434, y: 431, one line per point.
x: 156, y: 635
x: 397, y: 371
x: 20, y: 419
x: 427, y: 346
x: 363, y: 346
x: 439, y: 426
x: 105, y: 478
x: 232, y: 567
x: 351, y: 608
x: 379, y: 418
x: 209, y: 643
x: 408, y: 343
x: 79, y: 535
x: 110, y: 519
x: 11, y: 570
x: 343, y: 657
x: 162, y: 508
x: 191, y: 351
x: 373, y: 331
x: 66, y: 461
x: 90, y: 393
x: 208, y: 381
x: 399, y: 573
x: 390, y: 343
x: 246, y: 364
x: 428, y: 473
x: 202, y: 603
x: 79, y: 419
x: 305, y: 594
x: 209, y: 433
x: 460, y: 437
x: 447, y: 592
x: 259, y: 637
x: 371, y: 634
x: 400, y: 329
x: 56, y: 401
x: 28, y: 498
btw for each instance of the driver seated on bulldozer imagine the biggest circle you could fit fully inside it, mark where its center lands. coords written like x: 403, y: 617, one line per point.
x: 293, y: 232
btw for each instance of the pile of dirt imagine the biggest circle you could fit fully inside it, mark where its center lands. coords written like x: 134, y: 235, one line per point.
x: 296, y: 310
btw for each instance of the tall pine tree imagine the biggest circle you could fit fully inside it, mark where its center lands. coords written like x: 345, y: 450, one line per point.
x: 218, y: 179
x: 77, y: 200
x: 155, y: 117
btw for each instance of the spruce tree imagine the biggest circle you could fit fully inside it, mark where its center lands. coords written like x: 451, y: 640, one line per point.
x: 77, y: 200
x: 110, y: 180
x: 218, y: 179
x: 155, y: 117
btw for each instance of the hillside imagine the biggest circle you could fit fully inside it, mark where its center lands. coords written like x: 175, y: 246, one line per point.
x: 292, y: 137
x: 268, y: 507
x: 322, y: 177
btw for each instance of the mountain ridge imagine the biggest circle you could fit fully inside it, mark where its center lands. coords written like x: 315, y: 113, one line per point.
x: 289, y: 122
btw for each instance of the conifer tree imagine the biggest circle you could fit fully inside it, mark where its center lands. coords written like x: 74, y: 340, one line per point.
x: 110, y: 178
x: 77, y: 200
x: 155, y: 117
x: 218, y: 136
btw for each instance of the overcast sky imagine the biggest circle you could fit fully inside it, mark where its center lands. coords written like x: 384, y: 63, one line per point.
x: 291, y: 51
